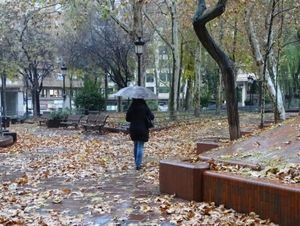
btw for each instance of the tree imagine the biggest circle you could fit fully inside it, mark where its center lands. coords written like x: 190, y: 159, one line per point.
x: 132, y: 23
x: 30, y: 42
x: 113, y: 51
x: 89, y: 98
x: 98, y: 45
x: 201, y: 18
x: 174, y: 46
x: 265, y: 62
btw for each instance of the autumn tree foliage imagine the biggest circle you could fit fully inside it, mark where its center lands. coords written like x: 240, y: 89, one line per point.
x: 29, y: 39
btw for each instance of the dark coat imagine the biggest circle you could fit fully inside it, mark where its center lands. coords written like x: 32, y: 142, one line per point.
x: 136, y: 115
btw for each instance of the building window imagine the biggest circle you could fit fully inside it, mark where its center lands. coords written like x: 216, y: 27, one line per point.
x: 150, y: 77
x: 54, y: 93
x: 44, y: 93
x: 164, y: 89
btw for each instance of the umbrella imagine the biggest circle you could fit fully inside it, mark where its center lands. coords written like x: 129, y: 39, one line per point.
x: 137, y: 92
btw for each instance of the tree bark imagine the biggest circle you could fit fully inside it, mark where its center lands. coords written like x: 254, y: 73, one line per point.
x: 219, y: 100
x: 258, y: 57
x: 203, y: 16
x: 3, y: 95
x: 188, y: 97
x: 136, y: 30
x: 176, y: 60
x: 35, y: 98
x: 219, y: 91
x: 197, y: 94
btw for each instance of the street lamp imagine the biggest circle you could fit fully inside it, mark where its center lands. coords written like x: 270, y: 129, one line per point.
x: 250, y: 79
x: 139, y: 51
x: 250, y: 82
x: 63, y: 73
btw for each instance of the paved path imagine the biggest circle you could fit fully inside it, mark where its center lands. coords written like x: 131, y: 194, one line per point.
x: 63, y: 189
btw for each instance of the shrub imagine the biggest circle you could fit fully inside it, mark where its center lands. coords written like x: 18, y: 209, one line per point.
x: 89, y: 98
x: 59, y: 115
x: 152, y: 104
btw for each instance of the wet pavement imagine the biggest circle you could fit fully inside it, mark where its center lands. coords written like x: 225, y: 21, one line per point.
x: 66, y: 177
x: 42, y: 184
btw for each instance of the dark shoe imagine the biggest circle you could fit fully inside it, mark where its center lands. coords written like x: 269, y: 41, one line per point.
x: 138, y: 167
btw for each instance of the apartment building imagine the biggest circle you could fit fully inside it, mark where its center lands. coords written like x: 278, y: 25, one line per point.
x: 51, y: 96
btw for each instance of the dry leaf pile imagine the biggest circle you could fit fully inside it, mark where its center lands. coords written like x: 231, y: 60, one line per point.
x: 65, y: 177
x: 288, y: 173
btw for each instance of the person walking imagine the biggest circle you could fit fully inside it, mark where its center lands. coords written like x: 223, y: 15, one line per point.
x: 140, y: 117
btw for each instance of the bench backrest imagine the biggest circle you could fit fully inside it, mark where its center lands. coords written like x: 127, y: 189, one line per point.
x: 102, y: 119
x: 74, y: 118
x: 92, y: 118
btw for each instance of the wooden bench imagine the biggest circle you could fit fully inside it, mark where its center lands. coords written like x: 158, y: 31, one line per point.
x: 72, y: 120
x: 94, y: 122
x: 44, y: 118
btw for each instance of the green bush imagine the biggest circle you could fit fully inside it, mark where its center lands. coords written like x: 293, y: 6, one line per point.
x: 59, y: 115
x: 89, y: 98
x: 204, y: 100
x: 152, y: 104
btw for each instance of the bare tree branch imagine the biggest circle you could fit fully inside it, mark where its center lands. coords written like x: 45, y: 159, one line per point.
x: 157, y: 31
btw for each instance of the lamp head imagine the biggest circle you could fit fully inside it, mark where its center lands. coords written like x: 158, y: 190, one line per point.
x: 139, y: 46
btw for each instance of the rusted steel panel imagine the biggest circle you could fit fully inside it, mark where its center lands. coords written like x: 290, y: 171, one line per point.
x: 230, y: 162
x: 276, y: 201
x: 182, y: 179
x: 246, y: 133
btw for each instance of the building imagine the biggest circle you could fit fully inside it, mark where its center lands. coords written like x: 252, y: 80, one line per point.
x: 243, y: 83
x: 51, y: 96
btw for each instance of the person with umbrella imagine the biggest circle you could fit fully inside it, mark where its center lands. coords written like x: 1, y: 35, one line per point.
x: 140, y: 116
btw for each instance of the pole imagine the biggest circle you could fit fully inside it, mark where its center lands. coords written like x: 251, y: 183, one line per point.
x: 261, y: 103
x: 71, y: 92
x: 139, y: 69
x: 26, y: 99
x: 64, y: 89
x: 3, y: 100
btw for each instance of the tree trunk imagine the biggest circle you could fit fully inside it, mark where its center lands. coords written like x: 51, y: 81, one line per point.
x: 71, y: 92
x: 257, y: 55
x: 35, y: 95
x: 219, y: 99
x: 188, y: 97
x: 3, y: 96
x: 136, y: 29
x: 156, y: 70
x: 202, y: 16
x: 179, y: 101
x: 197, y: 94
x: 176, y: 61
x: 219, y: 89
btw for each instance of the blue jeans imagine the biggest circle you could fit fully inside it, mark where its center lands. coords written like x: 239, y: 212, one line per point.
x: 138, y: 152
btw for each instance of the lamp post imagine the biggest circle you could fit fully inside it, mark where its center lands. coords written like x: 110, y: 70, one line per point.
x: 139, y: 51
x: 250, y: 82
x: 63, y: 73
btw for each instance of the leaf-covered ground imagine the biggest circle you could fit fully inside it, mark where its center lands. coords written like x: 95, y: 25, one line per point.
x: 66, y: 177
x: 276, y: 150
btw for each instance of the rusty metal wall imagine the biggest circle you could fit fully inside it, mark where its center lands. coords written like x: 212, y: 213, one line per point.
x: 269, y: 199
